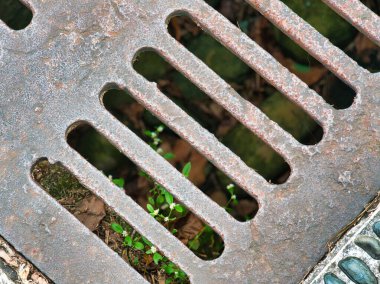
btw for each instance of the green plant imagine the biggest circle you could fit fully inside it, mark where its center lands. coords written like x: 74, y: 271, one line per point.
x: 163, y: 207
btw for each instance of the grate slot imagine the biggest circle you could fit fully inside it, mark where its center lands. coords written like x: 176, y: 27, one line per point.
x: 15, y: 14
x: 278, y: 157
x: 262, y: 62
x: 106, y: 99
x: 132, y: 213
x: 300, y: 110
x: 249, y: 115
x: 359, y: 15
x: 39, y: 229
x: 206, y: 143
x: 317, y: 45
x: 159, y: 169
x: 300, y: 64
x: 187, y: 188
x: 80, y: 197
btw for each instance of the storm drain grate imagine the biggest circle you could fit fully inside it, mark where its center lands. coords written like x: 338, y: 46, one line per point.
x: 53, y: 74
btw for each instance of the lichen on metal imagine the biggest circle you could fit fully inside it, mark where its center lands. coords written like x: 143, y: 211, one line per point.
x: 53, y: 74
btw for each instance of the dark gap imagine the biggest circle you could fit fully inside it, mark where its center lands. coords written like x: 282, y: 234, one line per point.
x: 187, y: 227
x: 374, y: 5
x: 99, y: 218
x: 340, y: 32
x: 15, y: 14
x: 254, y: 152
x: 203, y: 174
x: 245, y: 81
x: 288, y: 53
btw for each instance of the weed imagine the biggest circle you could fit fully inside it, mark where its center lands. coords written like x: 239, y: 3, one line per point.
x: 163, y: 207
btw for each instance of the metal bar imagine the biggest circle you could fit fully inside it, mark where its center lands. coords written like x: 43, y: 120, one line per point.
x: 53, y: 74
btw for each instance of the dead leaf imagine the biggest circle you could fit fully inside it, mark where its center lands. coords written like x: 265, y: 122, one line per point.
x: 134, y: 112
x: 38, y: 279
x: 91, y: 211
x: 363, y: 43
x: 312, y: 73
x: 246, y: 207
x: 219, y: 197
x: 184, y: 153
x: 7, y: 258
x: 191, y: 227
x: 23, y: 272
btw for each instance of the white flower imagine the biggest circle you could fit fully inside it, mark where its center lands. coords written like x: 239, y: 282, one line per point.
x: 160, y: 151
x: 110, y: 177
x: 153, y: 135
x: 156, y: 141
x: 233, y: 197
x: 160, y: 128
x: 230, y: 186
x: 166, y: 219
x: 153, y: 249
x: 155, y: 213
x: 172, y: 206
x: 124, y: 233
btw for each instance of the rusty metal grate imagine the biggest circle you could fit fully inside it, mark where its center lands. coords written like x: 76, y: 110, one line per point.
x: 52, y: 75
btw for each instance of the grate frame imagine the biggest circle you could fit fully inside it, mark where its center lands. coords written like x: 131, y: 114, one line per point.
x: 53, y: 75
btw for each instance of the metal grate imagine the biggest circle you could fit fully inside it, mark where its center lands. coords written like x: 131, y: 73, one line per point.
x: 52, y: 76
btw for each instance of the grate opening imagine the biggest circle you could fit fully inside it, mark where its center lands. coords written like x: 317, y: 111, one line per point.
x: 15, y: 14
x: 228, y: 66
x: 297, y: 61
x: 148, y: 194
x: 256, y: 154
x: 203, y: 174
x: 104, y: 222
x: 337, y: 30
x: 374, y: 5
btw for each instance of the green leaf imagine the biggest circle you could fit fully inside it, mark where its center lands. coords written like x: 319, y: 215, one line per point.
x: 186, y: 169
x: 139, y: 246
x: 179, y: 208
x: 168, y: 156
x: 208, y: 229
x: 149, y: 251
x: 119, y: 182
x: 168, y: 269
x: 151, y: 200
x: 169, y: 198
x: 148, y: 133
x: 174, y: 231
x: 150, y: 208
x: 160, y: 199
x: 194, y: 244
x: 146, y: 241
x: 117, y: 228
x: 143, y: 174
x: 128, y: 241
x: 168, y: 280
x: 157, y: 257
x: 301, y: 68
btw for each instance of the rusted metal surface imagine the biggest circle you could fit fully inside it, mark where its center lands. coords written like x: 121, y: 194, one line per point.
x: 52, y: 76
